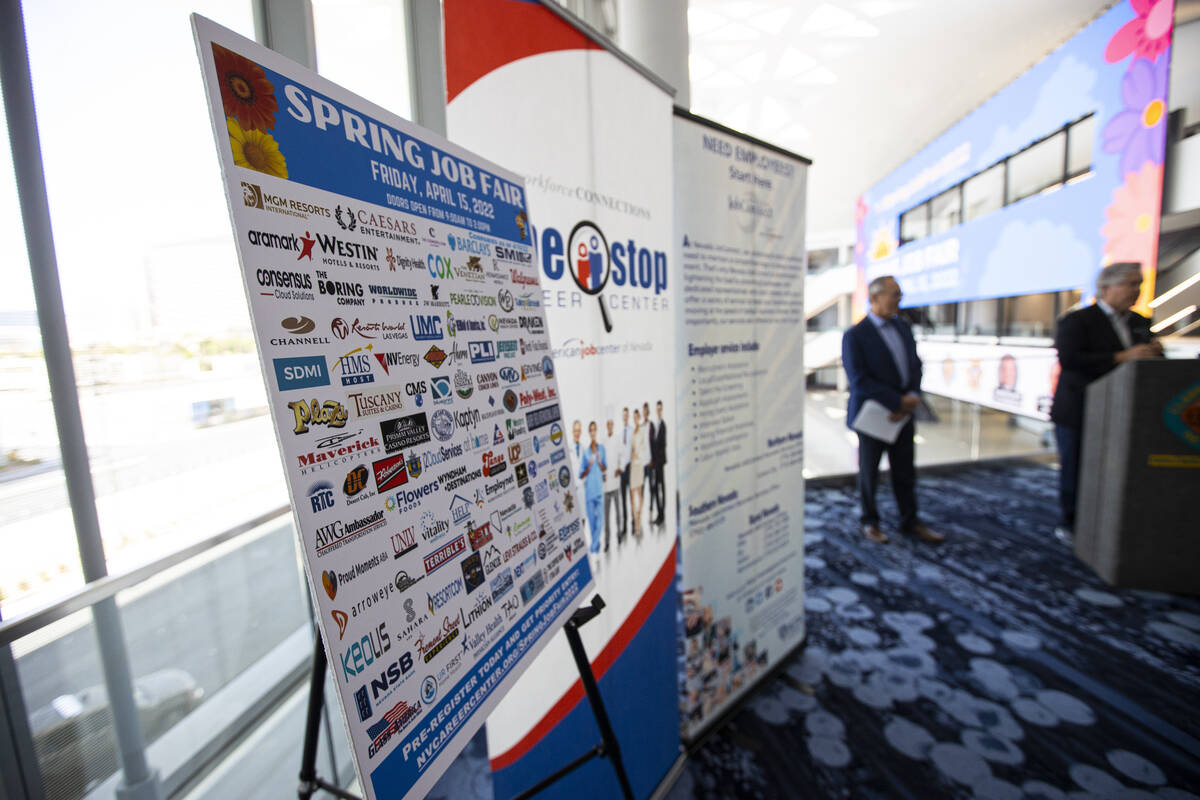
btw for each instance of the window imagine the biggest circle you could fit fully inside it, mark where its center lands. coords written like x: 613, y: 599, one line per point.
x: 371, y: 60
x: 1029, y: 315
x: 945, y: 210
x: 822, y: 258
x: 1079, y: 146
x: 984, y: 192
x: 1038, y: 167
x: 914, y: 224
x: 980, y: 318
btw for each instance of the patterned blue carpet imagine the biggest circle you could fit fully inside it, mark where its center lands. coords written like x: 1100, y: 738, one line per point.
x: 993, y: 666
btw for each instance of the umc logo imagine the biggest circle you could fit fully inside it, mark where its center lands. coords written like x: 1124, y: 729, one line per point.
x: 426, y: 327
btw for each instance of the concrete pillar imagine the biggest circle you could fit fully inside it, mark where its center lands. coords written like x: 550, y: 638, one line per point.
x: 656, y: 34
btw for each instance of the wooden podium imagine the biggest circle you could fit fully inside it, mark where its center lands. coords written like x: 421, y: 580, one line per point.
x: 1138, y: 517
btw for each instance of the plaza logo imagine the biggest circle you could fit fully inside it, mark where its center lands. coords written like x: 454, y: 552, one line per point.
x: 315, y: 412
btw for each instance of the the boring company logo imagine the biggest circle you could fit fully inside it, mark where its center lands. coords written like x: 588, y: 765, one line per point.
x: 587, y: 250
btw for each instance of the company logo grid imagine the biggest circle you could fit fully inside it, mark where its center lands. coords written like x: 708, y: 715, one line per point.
x: 380, y: 316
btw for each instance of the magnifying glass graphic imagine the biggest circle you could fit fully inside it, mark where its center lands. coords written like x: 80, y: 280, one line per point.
x: 587, y: 254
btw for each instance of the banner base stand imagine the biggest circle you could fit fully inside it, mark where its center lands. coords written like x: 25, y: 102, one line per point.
x: 608, y: 747
x: 310, y: 782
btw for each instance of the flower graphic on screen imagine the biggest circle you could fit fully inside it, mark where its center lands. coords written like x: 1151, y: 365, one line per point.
x: 245, y: 91
x: 255, y: 150
x: 1147, y: 35
x: 883, y: 244
x: 1139, y: 132
x: 1131, y: 232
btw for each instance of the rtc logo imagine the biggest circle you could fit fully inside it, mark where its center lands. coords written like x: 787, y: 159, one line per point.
x: 320, y: 495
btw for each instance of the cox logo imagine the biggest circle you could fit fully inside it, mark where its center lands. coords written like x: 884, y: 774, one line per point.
x: 439, y: 266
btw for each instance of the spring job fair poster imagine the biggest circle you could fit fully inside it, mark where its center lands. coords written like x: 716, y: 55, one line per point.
x: 740, y: 213
x: 591, y: 135
x: 414, y: 398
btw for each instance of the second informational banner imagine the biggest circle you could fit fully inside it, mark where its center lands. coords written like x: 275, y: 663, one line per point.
x: 740, y: 211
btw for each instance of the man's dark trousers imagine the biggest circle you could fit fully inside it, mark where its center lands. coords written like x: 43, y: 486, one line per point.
x: 1070, y: 443
x: 904, y: 476
x: 624, y: 504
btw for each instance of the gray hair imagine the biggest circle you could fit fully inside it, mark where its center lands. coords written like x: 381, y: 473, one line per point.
x: 1117, y: 272
x: 878, y: 285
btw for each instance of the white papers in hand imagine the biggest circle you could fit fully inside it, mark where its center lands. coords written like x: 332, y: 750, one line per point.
x: 872, y: 420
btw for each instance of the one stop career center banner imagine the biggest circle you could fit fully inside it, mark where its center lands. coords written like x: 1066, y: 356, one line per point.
x: 415, y: 405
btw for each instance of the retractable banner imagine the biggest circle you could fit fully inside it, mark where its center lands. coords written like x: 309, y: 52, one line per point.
x: 414, y: 397
x: 739, y: 215
x: 591, y: 134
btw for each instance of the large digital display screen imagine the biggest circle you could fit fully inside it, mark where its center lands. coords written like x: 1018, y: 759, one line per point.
x: 1115, y: 70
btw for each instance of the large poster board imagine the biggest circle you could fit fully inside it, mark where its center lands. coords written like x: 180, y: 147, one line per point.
x: 592, y: 135
x: 739, y: 218
x: 414, y: 397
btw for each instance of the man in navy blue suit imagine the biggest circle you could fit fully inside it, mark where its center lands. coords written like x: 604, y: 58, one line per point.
x: 880, y: 358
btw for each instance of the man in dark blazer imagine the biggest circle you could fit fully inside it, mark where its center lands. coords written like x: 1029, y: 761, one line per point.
x: 658, y: 452
x: 880, y: 358
x: 1091, y: 342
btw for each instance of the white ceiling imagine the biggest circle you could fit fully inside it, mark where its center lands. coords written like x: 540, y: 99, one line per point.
x: 861, y: 85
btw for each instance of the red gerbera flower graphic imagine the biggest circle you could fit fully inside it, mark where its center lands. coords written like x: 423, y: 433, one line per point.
x: 1147, y: 35
x: 245, y: 91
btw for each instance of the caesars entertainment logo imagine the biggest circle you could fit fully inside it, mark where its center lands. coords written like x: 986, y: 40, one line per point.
x: 254, y: 197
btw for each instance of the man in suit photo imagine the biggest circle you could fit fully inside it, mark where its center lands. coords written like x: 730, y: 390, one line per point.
x: 880, y: 358
x: 1091, y: 342
x: 658, y: 453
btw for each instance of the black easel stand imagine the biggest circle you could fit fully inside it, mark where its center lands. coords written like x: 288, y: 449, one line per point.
x: 309, y: 780
x: 608, y: 747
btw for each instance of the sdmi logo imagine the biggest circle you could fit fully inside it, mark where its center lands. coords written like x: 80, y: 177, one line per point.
x: 304, y: 372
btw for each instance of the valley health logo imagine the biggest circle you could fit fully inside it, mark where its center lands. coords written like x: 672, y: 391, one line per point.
x: 304, y: 372
x: 588, y: 252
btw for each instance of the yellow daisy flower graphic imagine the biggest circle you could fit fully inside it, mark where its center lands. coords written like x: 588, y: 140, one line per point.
x: 255, y: 150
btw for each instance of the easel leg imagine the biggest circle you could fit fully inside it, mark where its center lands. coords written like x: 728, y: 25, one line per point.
x: 309, y: 782
x: 611, y: 748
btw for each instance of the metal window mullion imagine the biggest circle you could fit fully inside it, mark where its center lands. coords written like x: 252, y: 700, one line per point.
x: 139, y: 781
